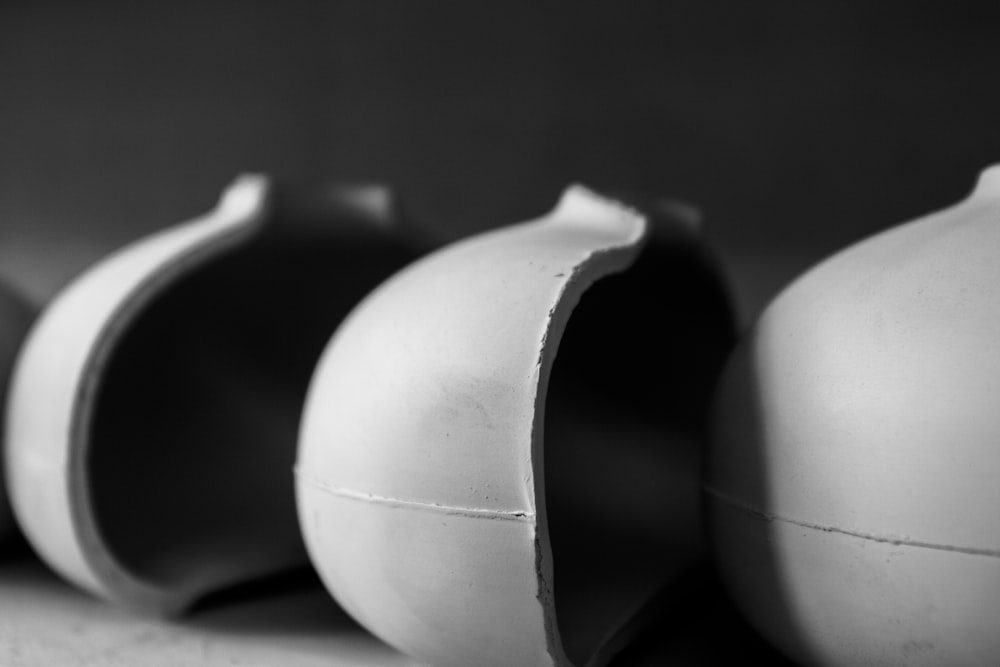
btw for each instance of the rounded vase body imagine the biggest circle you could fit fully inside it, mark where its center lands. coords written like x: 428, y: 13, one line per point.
x: 462, y: 499
x: 853, y: 482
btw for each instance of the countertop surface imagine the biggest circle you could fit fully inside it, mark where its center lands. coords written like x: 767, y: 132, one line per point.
x: 294, y: 623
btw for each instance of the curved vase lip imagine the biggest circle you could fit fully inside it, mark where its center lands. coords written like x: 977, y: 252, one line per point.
x: 600, y: 264
x: 477, y: 325
x: 61, y: 367
x: 988, y: 182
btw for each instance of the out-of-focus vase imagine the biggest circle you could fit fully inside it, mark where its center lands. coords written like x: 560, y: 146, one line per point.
x: 155, y: 406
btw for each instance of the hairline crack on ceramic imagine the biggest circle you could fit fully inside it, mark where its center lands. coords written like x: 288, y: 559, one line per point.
x: 901, y: 540
x: 374, y: 498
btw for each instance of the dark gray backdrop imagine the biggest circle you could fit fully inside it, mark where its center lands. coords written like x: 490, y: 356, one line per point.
x: 798, y: 127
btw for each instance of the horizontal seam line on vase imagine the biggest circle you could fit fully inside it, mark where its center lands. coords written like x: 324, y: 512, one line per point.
x: 901, y: 541
x: 480, y: 513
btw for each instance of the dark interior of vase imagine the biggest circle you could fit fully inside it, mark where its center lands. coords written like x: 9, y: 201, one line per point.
x: 194, y: 428
x: 625, y: 414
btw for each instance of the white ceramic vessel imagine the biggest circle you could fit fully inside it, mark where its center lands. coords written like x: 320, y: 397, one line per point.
x: 853, y: 484
x: 15, y: 319
x: 472, y: 498
x: 154, y: 409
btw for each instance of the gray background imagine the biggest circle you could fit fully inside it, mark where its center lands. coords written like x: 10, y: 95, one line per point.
x: 797, y: 127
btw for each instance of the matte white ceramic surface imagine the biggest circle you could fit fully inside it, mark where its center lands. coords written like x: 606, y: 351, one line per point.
x: 853, y: 480
x: 15, y: 319
x: 451, y: 495
x: 153, y: 411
